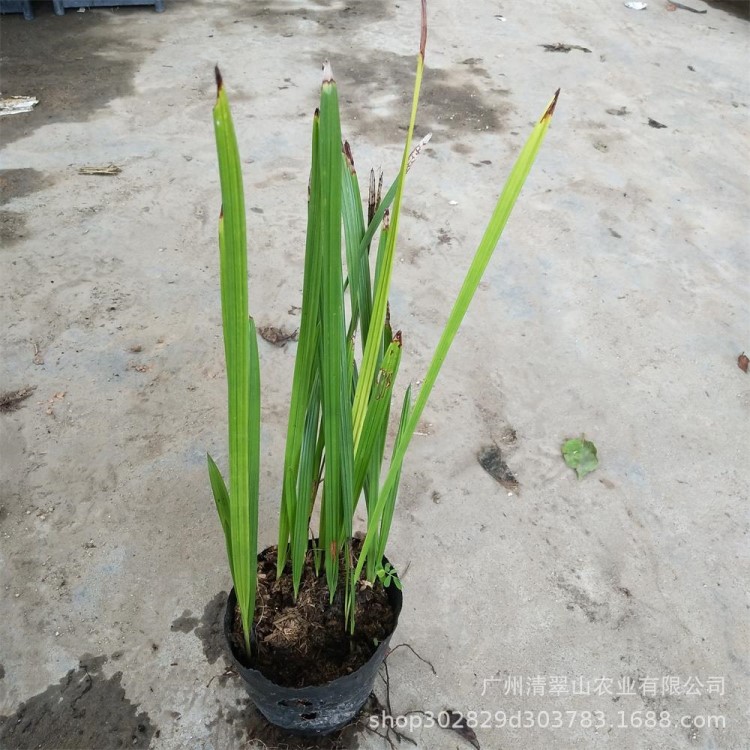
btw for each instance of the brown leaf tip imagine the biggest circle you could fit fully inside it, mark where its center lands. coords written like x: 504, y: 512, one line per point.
x: 219, y: 79
x: 349, y: 157
x: 423, y: 35
x: 327, y: 72
x: 397, y: 338
x: 551, y: 109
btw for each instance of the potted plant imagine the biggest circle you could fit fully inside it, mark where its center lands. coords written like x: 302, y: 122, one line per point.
x: 308, y: 621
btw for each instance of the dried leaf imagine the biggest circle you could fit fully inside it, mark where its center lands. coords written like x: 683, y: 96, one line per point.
x: 457, y: 724
x: 743, y: 362
x: 277, y: 336
x: 491, y: 460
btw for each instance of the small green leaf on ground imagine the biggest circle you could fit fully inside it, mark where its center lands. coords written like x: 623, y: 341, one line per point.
x: 580, y: 454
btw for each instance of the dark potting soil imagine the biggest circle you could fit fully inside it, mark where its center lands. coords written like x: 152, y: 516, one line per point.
x: 304, y: 643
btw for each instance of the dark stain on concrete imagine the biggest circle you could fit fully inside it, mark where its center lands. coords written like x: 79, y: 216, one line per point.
x: 211, y: 630
x: 86, y: 64
x: 2, y: 672
x: 185, y: 623
x: 12, y: 227
x: 283, y: 19
x: 15, y: 183
x: 376, y: 93
x: 83, y: 710
x: 739, y: 8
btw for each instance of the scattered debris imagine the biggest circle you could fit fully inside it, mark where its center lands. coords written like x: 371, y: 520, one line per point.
x: 457, y: 724
x: 11, y: 400
x: 615, y: 234
x: 38, y: 356
x: 691, y: 68
x: 491, y: 460
x: 51, y: 402
x: 580, y: 454
x: 135, y: 348
x: 636, y: 6
x: 655, y: 123
x: 277, y: 336
x: 618, y: 111
x: 452, y: 203
x: 560, y: 47
x: 743, y: 362
x: 674, y: 6
x: 109, y: 170
x: 15, y: 105
x: 138, y: 367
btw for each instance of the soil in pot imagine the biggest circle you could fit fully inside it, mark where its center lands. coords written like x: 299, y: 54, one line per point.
x: 304, y: 643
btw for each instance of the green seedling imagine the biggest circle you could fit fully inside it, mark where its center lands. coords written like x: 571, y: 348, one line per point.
x: 347, y: 358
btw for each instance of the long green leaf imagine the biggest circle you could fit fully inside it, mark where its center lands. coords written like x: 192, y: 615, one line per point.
x: 305, y: 365
x: 380, y: 303
x: 338, y: 503
x: 221, y: 498
x: 478, y: 265
x: 242, y: 366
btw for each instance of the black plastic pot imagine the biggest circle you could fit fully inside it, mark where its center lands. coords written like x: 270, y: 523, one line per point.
x: 320, y: 709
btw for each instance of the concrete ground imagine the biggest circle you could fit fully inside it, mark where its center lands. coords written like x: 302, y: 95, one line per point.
x: 616, y: 307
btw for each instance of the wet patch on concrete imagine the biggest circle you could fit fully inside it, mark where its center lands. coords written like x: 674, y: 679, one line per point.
x: 15, y: 183
x: 86, y: 65
x: 185, y: 623
x: 84, y: 709
x: 283, y: 18
x: 376, y: 99
x: 211, y: 629
x: 12, y: 227
x: 739, y: 8
x: 474, y: 65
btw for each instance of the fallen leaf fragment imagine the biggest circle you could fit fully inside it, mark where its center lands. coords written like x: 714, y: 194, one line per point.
x: 743, y: 362
x: 457, y: 724
x: 580, y: 454
x: 277, y: 336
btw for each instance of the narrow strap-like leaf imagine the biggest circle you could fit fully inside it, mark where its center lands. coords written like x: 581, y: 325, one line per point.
x: 478, y: 265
